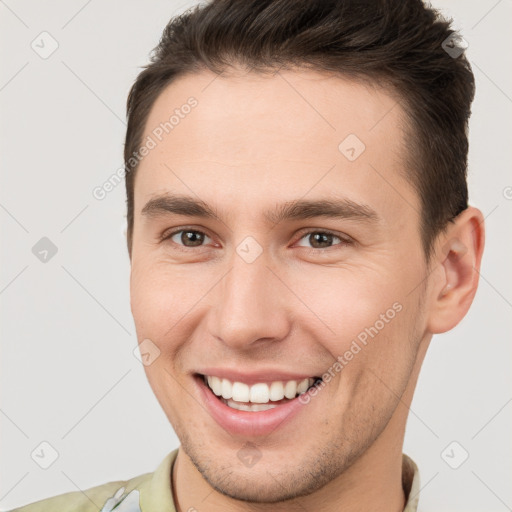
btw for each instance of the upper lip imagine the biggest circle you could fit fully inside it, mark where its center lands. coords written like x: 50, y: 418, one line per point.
x: 251, y: 377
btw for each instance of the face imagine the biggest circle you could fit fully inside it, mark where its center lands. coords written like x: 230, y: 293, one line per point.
x: 270, y: 246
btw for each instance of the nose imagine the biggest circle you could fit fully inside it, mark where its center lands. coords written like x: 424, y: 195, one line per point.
x: 250, y: 306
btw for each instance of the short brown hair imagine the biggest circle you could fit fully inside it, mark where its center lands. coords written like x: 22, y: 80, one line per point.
x: 402, y: 44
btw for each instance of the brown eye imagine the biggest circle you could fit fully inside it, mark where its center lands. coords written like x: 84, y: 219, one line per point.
x: 322, y: 240
x: 188, y: 237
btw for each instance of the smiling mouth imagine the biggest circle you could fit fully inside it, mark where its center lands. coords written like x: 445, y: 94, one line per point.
x: 258, y: 397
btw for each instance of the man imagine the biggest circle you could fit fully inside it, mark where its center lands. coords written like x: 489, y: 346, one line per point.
x: 298, y: 230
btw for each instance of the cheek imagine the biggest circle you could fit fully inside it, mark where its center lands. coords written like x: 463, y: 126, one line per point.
x: 162, y: 295
x: 366, y: 316
x: 346, y: 300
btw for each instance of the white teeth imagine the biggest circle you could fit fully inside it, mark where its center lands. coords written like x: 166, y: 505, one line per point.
x: 226, y: 389
x: 276, y: 391
x: 290, y: 389
x: 260, y: 393
x: 303, y: 386
x: 249, y: 407
x: 216, y: 385
x: 241, y: 392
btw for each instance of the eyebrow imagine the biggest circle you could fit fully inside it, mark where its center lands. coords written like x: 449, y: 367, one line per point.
x: 332, y: 208
x: 300, y: 209
x: 178, y: 205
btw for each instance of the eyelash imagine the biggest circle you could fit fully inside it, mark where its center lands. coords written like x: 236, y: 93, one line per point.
x: 344, y: 240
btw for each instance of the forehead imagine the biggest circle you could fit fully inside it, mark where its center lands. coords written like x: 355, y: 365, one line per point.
x: 286, y: 133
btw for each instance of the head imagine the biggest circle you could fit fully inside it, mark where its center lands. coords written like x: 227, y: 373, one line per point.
x: 297, y: 206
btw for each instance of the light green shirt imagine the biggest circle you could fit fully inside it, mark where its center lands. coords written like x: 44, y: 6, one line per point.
x: 151, y: 492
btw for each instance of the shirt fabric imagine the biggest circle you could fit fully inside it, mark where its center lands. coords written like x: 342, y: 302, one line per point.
x: 152, y: 492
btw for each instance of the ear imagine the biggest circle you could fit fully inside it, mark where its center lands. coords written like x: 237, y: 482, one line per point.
x: 456, y: 263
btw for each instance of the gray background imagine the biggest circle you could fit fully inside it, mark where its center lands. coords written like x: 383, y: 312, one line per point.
x: 68, y: 373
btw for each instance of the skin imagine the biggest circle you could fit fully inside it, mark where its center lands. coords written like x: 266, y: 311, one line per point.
x: 253, y: 142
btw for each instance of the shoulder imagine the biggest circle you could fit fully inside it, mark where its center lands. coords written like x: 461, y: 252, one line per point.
x: 101, y: 498
x: 149, y: 491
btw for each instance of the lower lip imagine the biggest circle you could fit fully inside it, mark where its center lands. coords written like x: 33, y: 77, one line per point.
x: 247, y: 423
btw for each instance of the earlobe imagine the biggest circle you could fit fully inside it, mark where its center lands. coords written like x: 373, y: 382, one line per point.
x: 458, y: 257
